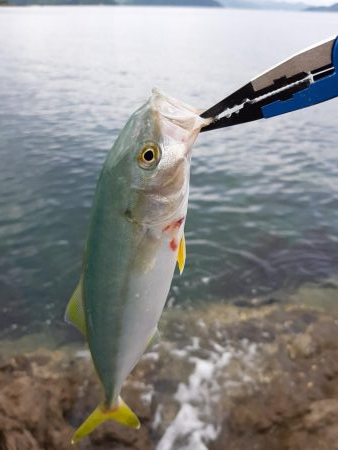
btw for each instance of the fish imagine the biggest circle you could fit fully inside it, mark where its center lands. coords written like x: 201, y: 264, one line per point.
x: 135, y: 239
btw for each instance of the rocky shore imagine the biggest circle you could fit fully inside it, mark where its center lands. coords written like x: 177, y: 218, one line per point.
x: 228, y: 379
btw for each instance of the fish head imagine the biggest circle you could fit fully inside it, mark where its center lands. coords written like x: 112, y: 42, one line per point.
x: 154, y: 155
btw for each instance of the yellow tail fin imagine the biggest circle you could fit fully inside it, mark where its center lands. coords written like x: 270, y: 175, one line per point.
x: 122, y: 413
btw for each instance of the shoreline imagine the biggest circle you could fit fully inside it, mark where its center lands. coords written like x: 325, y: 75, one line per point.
x: 266, y: 375
x: 59, y: 334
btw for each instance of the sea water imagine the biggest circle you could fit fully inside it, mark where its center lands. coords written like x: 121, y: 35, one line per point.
x: 263, y: 211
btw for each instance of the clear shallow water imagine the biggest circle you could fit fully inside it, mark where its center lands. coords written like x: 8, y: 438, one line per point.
x: 264, y: 196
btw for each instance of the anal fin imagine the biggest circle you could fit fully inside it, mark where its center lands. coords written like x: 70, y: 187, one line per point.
x: 74, y: 311
x: 155, y: 339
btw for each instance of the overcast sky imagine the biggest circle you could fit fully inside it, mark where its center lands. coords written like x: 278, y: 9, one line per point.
x: 307, y: 2
x: 315, y: 2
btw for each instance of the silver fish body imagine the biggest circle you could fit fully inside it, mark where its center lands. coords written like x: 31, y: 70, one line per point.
x: 136, y: 230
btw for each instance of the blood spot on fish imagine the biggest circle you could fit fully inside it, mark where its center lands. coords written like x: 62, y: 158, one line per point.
x: 166, y: 228
x: 179, y: 222
x: 173, y: 244
x: 173, y: 225
x: 172, y: 231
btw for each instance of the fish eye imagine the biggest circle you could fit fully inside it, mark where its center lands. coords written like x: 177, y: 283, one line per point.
x: 149, y: 156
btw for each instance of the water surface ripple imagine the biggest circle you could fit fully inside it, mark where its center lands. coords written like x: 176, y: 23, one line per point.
x: 264, y: 196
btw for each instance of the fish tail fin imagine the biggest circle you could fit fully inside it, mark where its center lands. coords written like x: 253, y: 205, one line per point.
x: 121, y: 413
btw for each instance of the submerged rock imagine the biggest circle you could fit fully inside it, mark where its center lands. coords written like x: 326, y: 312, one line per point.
x: 264, y: 379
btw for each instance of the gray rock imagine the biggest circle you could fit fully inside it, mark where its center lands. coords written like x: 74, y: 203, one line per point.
x: 263, y: 379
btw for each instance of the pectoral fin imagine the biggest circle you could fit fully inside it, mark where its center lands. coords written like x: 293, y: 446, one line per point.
x: 181, y: 255
x: 74, y: 312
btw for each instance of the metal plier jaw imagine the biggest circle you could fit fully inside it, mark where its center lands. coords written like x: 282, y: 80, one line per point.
x: 308, y: 78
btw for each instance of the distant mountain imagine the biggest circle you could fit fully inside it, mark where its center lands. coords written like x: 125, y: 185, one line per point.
x: 241, y: 4
x: 332, y: 8
x: 263, y: 4
x: 209, y: 3
x: 238, y: 4
x: 212, y: 3
x: 60, y: 2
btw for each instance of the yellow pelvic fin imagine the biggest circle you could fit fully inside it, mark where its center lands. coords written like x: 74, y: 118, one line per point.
x: 181, y: 255
x: 74, y: 312
x: 122, y: 414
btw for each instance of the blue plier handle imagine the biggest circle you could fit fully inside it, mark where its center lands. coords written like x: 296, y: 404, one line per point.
x: 308, y: 78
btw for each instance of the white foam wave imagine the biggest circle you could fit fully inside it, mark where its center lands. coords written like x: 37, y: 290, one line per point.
x: 198, y: 419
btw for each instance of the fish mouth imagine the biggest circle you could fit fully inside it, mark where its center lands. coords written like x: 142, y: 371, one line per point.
x: 179, y: 121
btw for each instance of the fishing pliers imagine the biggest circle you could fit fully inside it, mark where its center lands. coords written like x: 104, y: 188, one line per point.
x: 305, y: 79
